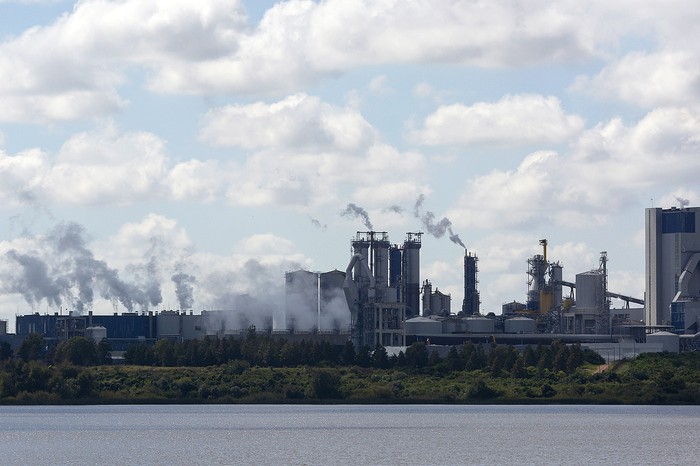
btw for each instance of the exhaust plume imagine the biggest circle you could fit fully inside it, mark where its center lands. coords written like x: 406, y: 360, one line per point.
x: 438, y: 229
x: 318, y: 224
x: 184, y: 288
x: 682, y: 201
x: 357, y: 211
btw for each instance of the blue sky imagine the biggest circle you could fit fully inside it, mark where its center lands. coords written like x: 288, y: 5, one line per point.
x: 218, y: 138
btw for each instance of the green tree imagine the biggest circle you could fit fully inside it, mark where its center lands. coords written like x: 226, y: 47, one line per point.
x: 164, y: 352
x: 326, y: 384
x: 104, y: 352
x: 454, y: 361
x: 347, y: 357
x: 417, y: 355
x: 380, y: 358
x: 32, y: 348
x: 80, y: 351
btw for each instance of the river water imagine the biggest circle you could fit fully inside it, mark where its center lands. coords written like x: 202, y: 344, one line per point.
x: 348, y: 434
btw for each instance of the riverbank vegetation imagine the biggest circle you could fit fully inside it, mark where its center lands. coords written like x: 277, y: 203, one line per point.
x: 262, y: 369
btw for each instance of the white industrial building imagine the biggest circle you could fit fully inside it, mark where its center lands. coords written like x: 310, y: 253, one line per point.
x: 672, y: 253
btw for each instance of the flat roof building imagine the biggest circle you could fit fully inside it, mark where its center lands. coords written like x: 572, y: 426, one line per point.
x: 672, y: 253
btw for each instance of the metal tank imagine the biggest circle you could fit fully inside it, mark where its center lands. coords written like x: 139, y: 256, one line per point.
x: 479, y: 325
x: 380, y: 259
x: 669, y: 341
x: 422, y: 326
x: 427, y: 298
x: 590, y: 293
x: 520, y: 325
x: 97, y: 333
x: 411, y: 272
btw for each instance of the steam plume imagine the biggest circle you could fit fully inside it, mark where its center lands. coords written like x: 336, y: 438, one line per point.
x: 682, y: 201
x: 184, y: 289
x: 357, y: 211
x: 438, y: 229
x: 76, y: 275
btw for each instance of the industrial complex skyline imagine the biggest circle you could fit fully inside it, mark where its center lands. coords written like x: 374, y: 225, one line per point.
x: 185, y: 153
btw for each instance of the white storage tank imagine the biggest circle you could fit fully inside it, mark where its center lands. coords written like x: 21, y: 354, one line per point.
x: 479, y: 325
x: 422, y: 326
x: 520, y: 325
x: 96, y: 333
x: 669, y: 341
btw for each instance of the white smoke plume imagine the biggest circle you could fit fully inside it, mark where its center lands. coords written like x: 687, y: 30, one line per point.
x: 64, y: 271
x: 682, y: 202
x: 438, y: 229
x: 184, y: 288
x: 357, y: 211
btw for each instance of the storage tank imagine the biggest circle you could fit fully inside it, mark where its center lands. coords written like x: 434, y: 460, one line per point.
x: 670, y: 341
x: 411, y: 272
x: 520, y: 325
x: 427, y: 299
x: 380, y: 259
x: 479, y: 325
x: 422, y: 326
x: 590, y: 290
x: 96, y: 332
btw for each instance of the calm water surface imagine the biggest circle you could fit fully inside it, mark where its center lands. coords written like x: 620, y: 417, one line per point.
x: 341, y: 434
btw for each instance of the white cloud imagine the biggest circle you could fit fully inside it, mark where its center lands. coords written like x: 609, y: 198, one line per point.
x: 606, y: 169
x: 669, y: 77
x: 74, y: 67
x: 297, y: 122
x: 515, y: 119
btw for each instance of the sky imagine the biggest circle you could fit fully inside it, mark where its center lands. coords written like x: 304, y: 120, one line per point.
x: 172, y: 154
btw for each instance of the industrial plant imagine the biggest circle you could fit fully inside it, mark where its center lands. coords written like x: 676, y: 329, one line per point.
x: 380, y: 298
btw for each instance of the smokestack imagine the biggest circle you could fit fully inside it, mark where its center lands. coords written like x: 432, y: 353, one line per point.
x: 470, y: 304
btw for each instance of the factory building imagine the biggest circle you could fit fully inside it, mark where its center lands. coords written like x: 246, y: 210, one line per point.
x: 382, y: 287
x: 672, y: 253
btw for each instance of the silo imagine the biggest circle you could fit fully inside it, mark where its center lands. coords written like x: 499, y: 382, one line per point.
x: 556, y: 279
x: 411, y: 272
x: 427, y: 298
x: 380, y: 260
x: 590, y: 290
x: 394, y: 266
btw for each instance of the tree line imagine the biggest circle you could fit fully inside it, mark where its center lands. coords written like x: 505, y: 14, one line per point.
x: 263, y: 350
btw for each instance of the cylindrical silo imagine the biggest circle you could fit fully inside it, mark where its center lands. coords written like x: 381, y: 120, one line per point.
x: 411, y: 272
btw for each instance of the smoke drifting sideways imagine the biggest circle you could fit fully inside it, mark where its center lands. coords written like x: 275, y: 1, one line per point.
x: 356, y: 211
x: 63, y: 271
x: 438, y: 229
